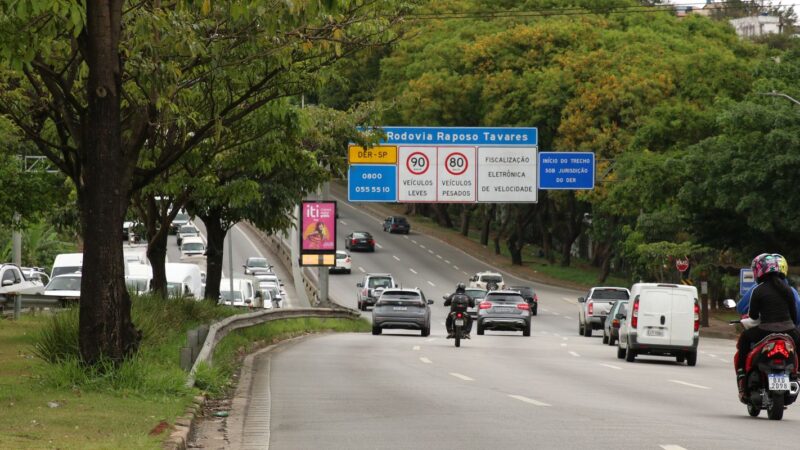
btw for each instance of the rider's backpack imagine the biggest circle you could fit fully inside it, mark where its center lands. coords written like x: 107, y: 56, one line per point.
x: 460, y: 302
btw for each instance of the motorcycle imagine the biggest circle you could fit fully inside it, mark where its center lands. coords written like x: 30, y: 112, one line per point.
x: 770, y: 381
x: 459, y: 322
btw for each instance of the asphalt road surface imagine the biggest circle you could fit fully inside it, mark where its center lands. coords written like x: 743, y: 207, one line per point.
x: 554, y: 389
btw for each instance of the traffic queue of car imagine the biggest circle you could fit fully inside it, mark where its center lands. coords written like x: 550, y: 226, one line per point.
x: 658, y: 319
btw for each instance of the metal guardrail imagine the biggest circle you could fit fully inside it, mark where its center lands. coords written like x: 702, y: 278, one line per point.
x: 19, y: 301
x: 220, y: 329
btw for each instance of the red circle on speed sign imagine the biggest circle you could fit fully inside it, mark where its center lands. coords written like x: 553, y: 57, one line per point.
x: 456, y: 163
x: 682, y: 265
x: 417, y: 163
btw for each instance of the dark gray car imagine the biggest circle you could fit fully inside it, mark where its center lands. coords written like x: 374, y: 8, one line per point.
x: 406, y: 309
x: 504, y: 310
x: 610, y: 332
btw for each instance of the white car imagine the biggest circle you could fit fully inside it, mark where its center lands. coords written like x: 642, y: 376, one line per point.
x: 256, y: 265
x: 243, y: 294
x: 67, y: 285
x: 277, y: 294
x: 188, y: 230
x: 343, y: 262
x: 487, y: 280
x: 193, y: 246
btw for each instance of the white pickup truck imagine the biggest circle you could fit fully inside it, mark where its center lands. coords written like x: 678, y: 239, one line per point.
x: 593, y: 309
x: 13, y: 280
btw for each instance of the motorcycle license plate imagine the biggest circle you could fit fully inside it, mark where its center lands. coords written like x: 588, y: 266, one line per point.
x: 655, y: 332
x: 778, y: 382
x: 460, y: 323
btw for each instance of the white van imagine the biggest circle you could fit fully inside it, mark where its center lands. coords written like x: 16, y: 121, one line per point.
x: 67, y: 263
x: 244, y: 294
x: 193, y: 246
x: 663, y: 320
x: 139, y: 277
x: 183, y: 279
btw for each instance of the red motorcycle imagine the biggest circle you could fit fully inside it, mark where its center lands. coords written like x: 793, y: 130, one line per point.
x: 770, y: 380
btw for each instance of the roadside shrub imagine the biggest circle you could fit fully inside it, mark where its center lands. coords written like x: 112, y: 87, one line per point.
x: 58, y: 340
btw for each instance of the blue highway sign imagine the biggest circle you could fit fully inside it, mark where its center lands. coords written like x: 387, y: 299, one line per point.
x: 566, y: 170
x: 372, y: 183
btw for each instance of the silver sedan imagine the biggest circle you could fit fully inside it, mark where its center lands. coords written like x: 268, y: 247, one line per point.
x: 504, y: 310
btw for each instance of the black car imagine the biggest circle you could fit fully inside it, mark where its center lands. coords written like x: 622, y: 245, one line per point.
x: 360, y: 240
x: 396, y: 224
x: 529, y: 295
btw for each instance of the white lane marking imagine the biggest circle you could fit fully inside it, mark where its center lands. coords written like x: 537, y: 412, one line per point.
x: 431, y: 284
x: 528, y: 400
x: 405, y: 237
x: 672, y: 447
x: 430, y: 339
x: 412, y: 270
x: 425, y: 360
x: 421, y: 246
x: 439, y: 256
x: 713, y: 356
x: 611, y: 367
x: 446, y: 261
x: 556, y: 334
x: 343, y: 222
x: 249, y: 241
x: 563, y: 344
x: 430, y: 251
x: 463, y: 377
x: 570, y: 300
x: 378, y: 245
x: 362, y: 269
x: 556, y: 314
x: 689, y: 384
x: 465, y: 273
x: 564, y: 338
x: 416, y: 347
x: 566, y: 317
x: 575, y: 354
x: 545, y: 332
x: 456, y: 267
x: 413, y: 241
x: 396, y: 258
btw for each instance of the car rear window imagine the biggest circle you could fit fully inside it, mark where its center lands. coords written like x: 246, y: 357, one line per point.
x: 376, y: 282
x: 360, y: 235
x: 609, y: 294
x: 491, y: 278
x: 476, y: 294
x: 341, y: 255
x: 505, y: 298
x: 523, y: 290
x: 400, y: 220
x: 398, y: 298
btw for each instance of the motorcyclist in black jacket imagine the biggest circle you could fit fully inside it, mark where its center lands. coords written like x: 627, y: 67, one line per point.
x: 459, y: 301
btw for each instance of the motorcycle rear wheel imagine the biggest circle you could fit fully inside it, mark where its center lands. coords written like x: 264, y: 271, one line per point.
x: 775, y: 411
x: 753, y: 410
x: 458, y: 336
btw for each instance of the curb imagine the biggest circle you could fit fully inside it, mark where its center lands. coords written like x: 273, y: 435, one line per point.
x: 182, y: 428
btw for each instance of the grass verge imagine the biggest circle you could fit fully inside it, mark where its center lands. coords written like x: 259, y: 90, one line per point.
x: 52, y: 401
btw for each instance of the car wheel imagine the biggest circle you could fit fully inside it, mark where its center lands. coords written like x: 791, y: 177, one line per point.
x: 605, y: 337
x: 527, y: 330
x: 535, y: 311
x: 580, y: 329
x: 587, y: 330
x: 630, y: 355
x: 620, y: 353
x: 680, y: 358
x: 360, y: 306
x: 376, y: 330
x: 347, y: 271
x: 691, y: 359
x: 612, y: 340
x: 480, y: 330
x: 426, y: 331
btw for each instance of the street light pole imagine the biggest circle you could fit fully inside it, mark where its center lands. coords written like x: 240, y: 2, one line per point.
x: 781, y: 94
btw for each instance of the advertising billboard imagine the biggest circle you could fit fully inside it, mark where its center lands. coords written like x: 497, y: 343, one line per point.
x: 318, y: 232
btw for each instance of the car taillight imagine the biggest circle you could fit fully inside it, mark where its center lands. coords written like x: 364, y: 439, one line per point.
x: 394, y: 225
x: 365, y: 292
x: 635, y: 313
x: 458, y: 315
x: 372, y: 242
x: 485, y: 305
x: 590, y: 308
x: 347, y: 259
x: 696, y: 316
x: 523, y: 306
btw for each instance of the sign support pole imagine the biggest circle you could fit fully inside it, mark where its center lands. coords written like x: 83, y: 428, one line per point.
x: 297, y: 271
x: 324, y: 274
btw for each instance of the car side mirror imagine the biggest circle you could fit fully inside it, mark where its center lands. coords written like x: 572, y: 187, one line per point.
x: 581, y: 300
x: 444, y: 297
x: 359, y: 284
x: 7, y: 282
x: 244, y: 265
x: 430, y: 302
x: 619, y: 316
x: 729, y: 303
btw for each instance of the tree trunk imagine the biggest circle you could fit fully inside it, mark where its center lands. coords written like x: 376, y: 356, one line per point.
x: 466, y: 216
x: 105, y: 326
x: 515, y: 249
x: 442, y: 216
x: 157, y: 255
x: 606, y: 267
x: 487, y: 224
x: 497, y: 244
x: 215, y: 246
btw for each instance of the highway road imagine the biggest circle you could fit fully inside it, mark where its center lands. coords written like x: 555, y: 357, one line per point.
x: 555, y: 389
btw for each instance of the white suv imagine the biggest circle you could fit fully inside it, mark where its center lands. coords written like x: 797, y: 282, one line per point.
x: 484, y: 280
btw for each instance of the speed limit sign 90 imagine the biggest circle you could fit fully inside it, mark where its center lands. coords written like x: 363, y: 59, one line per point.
x: 456, y: 163
x: 417, y: 163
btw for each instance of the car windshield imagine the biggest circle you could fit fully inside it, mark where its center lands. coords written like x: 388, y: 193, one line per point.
x: 341, y: 255
x: 505, y: 298
x: 65, y: 269
x: 64, y: 284
x: 475, y: 293
x: 226, y: 295
x: 193, y: 247
x: 491, y: 278
x: 271, y: 288
x: 609, y: 294
x: 188, y: 230
x: 380, y: 282
x: 181, y: 217
x: 257, y: 262
x: 174, y: 289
